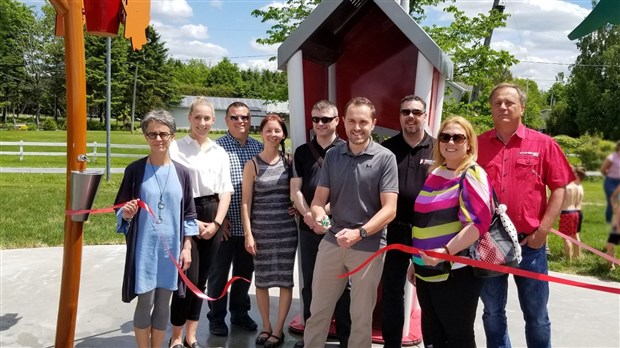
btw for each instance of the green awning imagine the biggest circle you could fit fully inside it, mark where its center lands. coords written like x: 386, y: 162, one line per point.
x: 606, y: 11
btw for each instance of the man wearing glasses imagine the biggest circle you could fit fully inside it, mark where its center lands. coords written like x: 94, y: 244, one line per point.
x: 307, y: 165
x: 240, y: 148
x: 413, y: 148
x: 359, y: 179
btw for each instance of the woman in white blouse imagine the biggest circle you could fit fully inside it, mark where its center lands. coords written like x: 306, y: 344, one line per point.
x: 209, y: 169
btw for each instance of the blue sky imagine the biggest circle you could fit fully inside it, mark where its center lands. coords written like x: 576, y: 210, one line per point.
x: 212, y: 29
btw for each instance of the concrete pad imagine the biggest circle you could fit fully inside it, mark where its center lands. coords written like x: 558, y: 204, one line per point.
x: 31, y: 284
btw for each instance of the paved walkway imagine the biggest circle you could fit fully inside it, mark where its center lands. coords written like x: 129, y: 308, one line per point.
x: 31, y: 284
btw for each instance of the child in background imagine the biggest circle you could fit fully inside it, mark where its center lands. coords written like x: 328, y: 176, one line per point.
x: 614, y: 235
x: 570, y: 214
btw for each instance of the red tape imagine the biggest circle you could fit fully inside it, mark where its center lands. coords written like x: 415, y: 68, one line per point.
x: 480, y: 264
x: 186, y: 280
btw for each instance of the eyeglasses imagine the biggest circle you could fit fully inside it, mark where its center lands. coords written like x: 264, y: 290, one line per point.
x: 414, y: 112
x: 457, y: 138
x: 243, y: 118
x: 162, y: 135
x: 324, y: 119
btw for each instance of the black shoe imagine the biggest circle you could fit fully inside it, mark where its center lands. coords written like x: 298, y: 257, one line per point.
x: 218, y: 328
x: 299, y: 344
x: 175, y: 346
x: 193, y: 345
x: 244, y: 321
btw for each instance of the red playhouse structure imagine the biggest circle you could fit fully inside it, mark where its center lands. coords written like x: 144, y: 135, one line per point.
x: 369, y: 48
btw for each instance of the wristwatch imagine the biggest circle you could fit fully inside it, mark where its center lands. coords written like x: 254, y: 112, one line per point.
x: 363, y: 232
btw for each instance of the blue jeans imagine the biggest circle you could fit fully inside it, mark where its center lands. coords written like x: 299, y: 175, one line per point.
x: 609, y: 186
x: 533, y: 298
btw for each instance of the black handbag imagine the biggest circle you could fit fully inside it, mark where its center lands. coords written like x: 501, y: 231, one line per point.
x: 500, y: 245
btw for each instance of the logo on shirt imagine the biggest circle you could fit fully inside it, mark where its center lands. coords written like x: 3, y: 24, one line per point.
x: 427, y: 161
x: 529, y: 153
x: 368, y: 165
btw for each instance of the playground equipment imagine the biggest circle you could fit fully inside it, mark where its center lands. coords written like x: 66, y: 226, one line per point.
x: 372, y: 49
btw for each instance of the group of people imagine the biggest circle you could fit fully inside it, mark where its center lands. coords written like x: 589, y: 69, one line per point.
x: 228, y: 202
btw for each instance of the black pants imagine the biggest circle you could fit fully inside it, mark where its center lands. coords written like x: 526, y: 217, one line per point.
x: 308, y: 249
x: 449, y: 309
x: 203, y: 254
x: 231, y: 252
x: 393, y: 285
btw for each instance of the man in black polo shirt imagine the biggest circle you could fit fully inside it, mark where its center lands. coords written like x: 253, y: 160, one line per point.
x: 307, y: 165
x: 413, y: 148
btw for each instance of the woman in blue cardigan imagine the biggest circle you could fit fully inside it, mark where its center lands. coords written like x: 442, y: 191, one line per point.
x: 153, y: 238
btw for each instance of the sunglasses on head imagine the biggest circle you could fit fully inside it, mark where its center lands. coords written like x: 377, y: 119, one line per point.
x: 243, y: 118
x: 162, y: 135
x: 324, y: 119
x: 457, y: 138
x: 414, y: 112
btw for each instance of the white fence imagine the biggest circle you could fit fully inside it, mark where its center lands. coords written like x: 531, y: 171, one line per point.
x: 91, y: 155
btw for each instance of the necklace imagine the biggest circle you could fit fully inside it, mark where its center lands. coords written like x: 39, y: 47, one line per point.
x: 161, y: 205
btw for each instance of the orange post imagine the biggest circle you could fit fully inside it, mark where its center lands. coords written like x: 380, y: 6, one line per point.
x: 76, y: 146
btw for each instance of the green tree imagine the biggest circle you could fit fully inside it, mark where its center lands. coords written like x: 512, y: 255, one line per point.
x: 190, y: 77
x: 15, y: 19
x: 224, y: 80
x: 593, y: 92
x: 155, y: 87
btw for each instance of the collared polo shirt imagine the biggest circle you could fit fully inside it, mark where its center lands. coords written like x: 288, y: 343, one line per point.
x: 238, y: 155
x: 520, y: 172
x: 306, y: 167
x: 413, y: 166
x: 355, y: 183
x: 209, y: 168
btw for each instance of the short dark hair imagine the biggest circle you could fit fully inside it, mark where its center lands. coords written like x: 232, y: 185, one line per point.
x: 361, y: 101
x: 326, y: 105
x: 237, y: 104
x: 413, y: 98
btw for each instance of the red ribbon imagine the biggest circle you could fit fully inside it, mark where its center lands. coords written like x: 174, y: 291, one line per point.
x: 186, y: 280
x: 480, y: 264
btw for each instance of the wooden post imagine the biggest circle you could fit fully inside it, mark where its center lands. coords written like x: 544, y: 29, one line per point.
x: 71, y: 10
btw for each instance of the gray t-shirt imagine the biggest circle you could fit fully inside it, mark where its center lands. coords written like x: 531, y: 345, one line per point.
x: 355, y: 183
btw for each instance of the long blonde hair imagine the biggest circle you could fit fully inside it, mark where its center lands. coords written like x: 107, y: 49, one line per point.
x: 472, y: 141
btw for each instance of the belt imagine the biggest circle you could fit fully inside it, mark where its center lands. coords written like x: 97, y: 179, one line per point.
x: 569, y: 211
x: 401, y: 224
x: 209, y: 198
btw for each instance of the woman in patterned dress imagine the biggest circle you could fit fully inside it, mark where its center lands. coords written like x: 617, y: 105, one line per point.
x: 270, y: 231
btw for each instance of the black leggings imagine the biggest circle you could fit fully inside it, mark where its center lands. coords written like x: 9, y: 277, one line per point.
x: 203, y: 253
x: 449, y: 309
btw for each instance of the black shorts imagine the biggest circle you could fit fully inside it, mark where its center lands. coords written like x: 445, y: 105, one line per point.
x: 614, y: 238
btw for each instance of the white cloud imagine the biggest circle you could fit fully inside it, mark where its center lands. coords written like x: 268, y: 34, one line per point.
x: 270, y: 49
x: 172, y: 9
x: 217, y: 3
x: 189, y: 41
x: 274, y: 4
x: 536, y: 31
x: 259, y: 64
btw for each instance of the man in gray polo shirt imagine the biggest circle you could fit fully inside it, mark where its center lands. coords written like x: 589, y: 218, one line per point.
x: 360, y: 180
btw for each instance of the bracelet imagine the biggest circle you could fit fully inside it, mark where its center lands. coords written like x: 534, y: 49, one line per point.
x: 445, y: 247
x: 218, y: 224
x: 127, y: 219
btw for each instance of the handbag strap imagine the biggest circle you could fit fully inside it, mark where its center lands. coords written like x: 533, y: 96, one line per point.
x: 495, y: 200
x: 316, y: 155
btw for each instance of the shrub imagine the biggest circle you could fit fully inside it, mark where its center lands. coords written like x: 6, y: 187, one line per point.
x: 49, y: 125
x: 590, y: 152
x: 32, y: 126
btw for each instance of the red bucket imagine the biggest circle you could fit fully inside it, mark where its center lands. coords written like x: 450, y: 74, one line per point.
x: 102, y: 17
